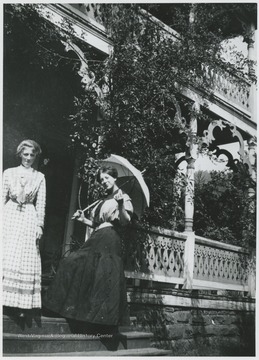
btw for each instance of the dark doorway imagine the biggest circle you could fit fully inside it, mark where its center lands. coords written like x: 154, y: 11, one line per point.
x: 37, y: 101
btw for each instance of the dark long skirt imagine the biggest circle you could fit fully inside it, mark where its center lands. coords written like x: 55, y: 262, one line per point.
x: 89, y: 284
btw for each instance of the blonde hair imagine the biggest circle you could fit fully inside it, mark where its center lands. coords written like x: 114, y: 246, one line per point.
x: 28, y: 143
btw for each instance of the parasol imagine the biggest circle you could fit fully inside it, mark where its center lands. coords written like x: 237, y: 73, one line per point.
x: 131, y: 181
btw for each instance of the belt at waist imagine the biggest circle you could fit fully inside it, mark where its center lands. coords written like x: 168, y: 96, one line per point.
x: 21, y: 204
x: 103, y: 225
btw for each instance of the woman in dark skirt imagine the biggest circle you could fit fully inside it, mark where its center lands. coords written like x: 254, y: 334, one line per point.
x: 89, y: 285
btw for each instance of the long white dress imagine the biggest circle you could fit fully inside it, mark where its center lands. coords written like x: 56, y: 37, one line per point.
x: 24, y: 197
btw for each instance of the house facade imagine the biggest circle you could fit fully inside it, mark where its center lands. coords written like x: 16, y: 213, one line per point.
x: 36, y: 103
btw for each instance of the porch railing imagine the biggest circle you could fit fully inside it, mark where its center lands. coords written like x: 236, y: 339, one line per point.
x: 229, y: 88
x: 188, y: 261
x: 233, y: 89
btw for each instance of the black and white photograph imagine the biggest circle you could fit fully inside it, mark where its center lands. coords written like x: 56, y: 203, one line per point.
x: 129, y: 142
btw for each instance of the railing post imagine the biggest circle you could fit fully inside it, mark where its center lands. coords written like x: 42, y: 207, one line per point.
x: 189, y: 260
x: 252, y: 275
x: 251, y: 284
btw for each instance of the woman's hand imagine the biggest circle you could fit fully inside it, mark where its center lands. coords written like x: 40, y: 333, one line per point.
x: 39, y: 232
x: 119, y: 197
x: 123, y: 214
x: 78, y: 215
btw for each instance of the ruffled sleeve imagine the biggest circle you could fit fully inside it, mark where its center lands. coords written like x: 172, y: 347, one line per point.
x: 128, y: 204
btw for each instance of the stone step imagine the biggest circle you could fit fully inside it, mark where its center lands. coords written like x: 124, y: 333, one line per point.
x: 42, y: 325
x: 73, y: 343
x: 48, y: 325
x: 129, y: 352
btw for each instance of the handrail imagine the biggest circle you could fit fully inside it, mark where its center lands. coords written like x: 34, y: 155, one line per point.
x: 219, y: 244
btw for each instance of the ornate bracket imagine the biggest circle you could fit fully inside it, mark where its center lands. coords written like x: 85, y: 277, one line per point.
x: 208, y: 139
x: 231, y: 162
x: 88, y: 77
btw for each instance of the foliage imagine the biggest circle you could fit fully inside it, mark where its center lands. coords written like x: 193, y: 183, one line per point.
x: 146, y: 119
x: 224, y: 209
x: 27, y: 31
x: 143, y: 115
x: 39, y: 39
x: 211, y: 25
x: 142, y: 121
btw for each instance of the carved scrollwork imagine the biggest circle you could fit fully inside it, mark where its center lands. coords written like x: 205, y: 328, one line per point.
x: 231, y: 162
x: 208, y: 139
x: 88, y: 77
x: 208, y: 136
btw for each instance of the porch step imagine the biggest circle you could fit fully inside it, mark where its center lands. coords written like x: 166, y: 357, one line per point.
x: 43, y: 325
x: 47, y: 325
x: 129, y: 352
x: 50, y: 336
x: 73, y: 343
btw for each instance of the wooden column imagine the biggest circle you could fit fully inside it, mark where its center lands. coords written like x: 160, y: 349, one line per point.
x: 252, y: 159
x: 250, y: 40
x: 190, y: 156
x: 251, y: 192
x: 73, y: 206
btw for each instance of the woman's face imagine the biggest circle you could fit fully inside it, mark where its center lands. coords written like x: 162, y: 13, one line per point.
x: 27, y: 157
x: 107, y: 181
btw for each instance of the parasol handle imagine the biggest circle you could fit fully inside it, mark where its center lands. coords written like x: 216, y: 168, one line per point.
x: 90, y: 206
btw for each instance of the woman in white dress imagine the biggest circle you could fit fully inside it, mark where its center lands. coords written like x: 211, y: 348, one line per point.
x: 24, y: 198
